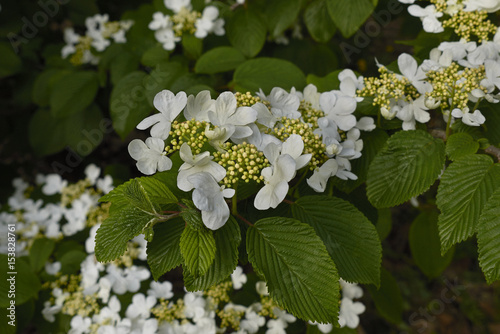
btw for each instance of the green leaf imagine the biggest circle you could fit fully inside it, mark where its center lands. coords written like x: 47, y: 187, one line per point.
x: 71, y: 262
x: 164, y: 252
x: 134, y: 208
x: 128, y: 104
x: 155, y: 55
x: 488, y: 238
x: 492, y: 114
x: 425, y: 245
x: 246, y: 31
x: 350, y: 238
x: 121, y: 66
x: 318, y: 21
x: 466, y: 186
x: 10, y: 63
x: 73, y: 93
x: 25, y: 281
x: 460, y: 144
x: 373, y: 142
x: 217, y: 60
x: 283, y: 251
x: 281, y: 14
x: 407, y: 166
x: 193, y: 46
x: 387, y: 298
x: 267, y: 73
x: 197, y: 249
x: 227, y: 240
x: 326, y: 83
x: 163, y: 77
x: 83, y: 132
x: 384, y: 223
x: 42, y: 86
x: 40, y: 252
x: 349, y: 15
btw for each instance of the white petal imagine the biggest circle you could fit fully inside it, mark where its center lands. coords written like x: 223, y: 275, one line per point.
x: 137, y: 149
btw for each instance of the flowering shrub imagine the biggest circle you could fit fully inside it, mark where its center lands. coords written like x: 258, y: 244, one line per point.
x: 271, y: 192
x: 118, y: 296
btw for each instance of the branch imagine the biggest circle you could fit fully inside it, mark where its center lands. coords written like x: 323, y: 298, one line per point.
x: 494, y: 151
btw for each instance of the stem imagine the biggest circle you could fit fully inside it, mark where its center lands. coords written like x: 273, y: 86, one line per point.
x: 234, y: 205
x: 494, y: 151
x: 287, y: 201
x: 244, y: 219
x: 448, y: 126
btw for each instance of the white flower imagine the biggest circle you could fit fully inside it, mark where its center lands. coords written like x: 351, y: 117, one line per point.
x: 366, y: 124
x: 197, y: 107
x: 276, y: 180
x: 319, y: 179
x: 177, y: 5
x: 161, y: 290
x: 170, y: 106
x: 413, y: 111
x: 234, y: 120
x: 283, y: 104
x: 209, y: 23
x: 429, y: 16
x: 350, y: 290
x: 196, y: 164
x: 261, y: 288
x: 349, y: 312
x: 492, y: 73
x: 167, y: 38
x: 105, y: 184
x: 128, y: 279
x: 194, y: 306
x: 409, y: 68
x: 474, y: 119
x: 50, y: 310
x: 208, y: 197
x: 490, y: 6
x: 54, y: 184
x: 238, y: 278
x: 52, y: 268
x: 293, y: 146
x: 92, y: 173
x: 349, y: 84
x: 150, y: 156
x: 459, y: 50
x: 277, y: 326
x: 80, y: 325
x: 160, y: 21
x: 252, y: 321
x: 339, y: 108
x: 140, y: 307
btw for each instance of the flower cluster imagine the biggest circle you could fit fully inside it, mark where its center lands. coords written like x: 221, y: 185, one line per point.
x: 467, y: 18
x: 56, y: 219
x: 169, y: 28
x: 93, y: 297
x: 264, y: 139
x: 98, y: 36
x: 455, y: 79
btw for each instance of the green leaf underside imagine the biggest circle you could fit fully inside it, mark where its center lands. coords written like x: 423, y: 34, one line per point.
x: 350, y: 238
x: 267, y: 73
x: 40, y: 252
x: 488, y: 238
x: 164, y: 252
x: 246, y: 31
x: 197, y: 249
x: 460, y: 144
x: 425, y: 245
x: 349, y: 15
x: 465, y: 187
x: 407, y: 166
x: 134, y: 206
x: 300, y: 274
x: 227, y: 240
x: 73, y: 93
x: 388, y: 300
x: 221, y: 59
x: 318, y: 21
x: 127, y: 103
